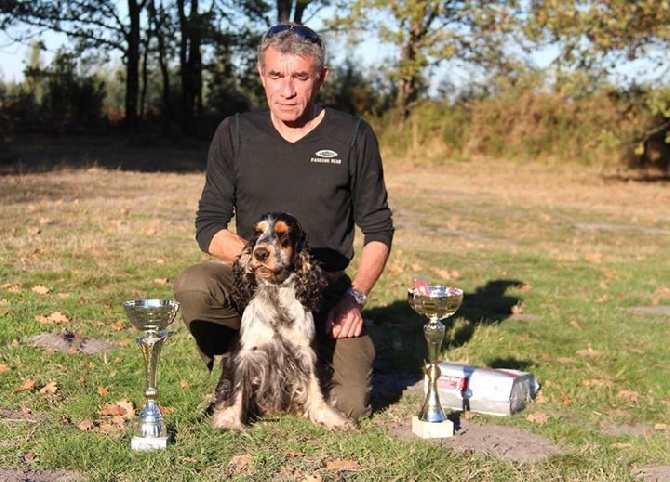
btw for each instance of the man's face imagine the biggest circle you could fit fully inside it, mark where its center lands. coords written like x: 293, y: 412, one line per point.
x: 291, y: 83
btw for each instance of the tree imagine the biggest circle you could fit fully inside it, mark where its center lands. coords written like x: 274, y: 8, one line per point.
x: 601, y: 36
x: 94, y: 24
x: 427, y: 33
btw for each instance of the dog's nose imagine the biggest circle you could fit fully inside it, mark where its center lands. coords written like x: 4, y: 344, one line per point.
x: 261, y: 254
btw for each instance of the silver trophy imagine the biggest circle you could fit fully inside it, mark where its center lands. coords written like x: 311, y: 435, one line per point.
x: 151, y: 316
x: 437, y: 303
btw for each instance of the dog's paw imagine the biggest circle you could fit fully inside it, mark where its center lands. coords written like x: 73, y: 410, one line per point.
x: 333, y: 420
x: 227, y: 419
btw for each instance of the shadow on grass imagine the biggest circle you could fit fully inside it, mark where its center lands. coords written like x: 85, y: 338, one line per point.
x: 32, y: 154
x: 397, y: 332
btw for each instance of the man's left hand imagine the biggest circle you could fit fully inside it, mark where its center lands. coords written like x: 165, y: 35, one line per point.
x: 345, y: 319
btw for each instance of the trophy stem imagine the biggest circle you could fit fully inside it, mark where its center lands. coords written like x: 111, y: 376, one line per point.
x: 432, y: 411
x: 151, y: 431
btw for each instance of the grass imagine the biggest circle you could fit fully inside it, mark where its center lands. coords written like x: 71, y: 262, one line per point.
x: 569, y: 253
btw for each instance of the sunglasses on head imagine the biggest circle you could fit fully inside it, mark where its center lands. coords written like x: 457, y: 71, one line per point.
x: 300, y: 31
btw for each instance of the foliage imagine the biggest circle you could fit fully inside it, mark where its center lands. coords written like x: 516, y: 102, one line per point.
x: 428, y: 33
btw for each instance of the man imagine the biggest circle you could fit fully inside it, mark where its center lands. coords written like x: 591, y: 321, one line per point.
x: 323, y: 167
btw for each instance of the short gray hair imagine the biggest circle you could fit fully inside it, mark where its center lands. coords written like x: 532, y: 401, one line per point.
x: 287, y: 42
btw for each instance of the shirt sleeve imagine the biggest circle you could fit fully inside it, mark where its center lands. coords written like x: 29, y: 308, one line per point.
x: 217, y: 202
x: 370, y: 197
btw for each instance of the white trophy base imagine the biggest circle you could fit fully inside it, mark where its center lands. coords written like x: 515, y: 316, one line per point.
x: 150, y: 443
x: 423, y: 429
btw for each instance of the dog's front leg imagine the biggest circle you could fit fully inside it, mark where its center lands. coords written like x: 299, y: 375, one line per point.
x: 321, y: 413
x: 228, y: 411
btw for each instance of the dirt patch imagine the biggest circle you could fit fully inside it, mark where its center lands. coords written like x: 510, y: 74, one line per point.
x: 513, y: 444
x: 27, y: 475
x: 68, y: 341
x: 650, y: 310
x: 652, y: 474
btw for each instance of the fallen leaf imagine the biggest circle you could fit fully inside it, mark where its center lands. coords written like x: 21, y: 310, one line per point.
x: 86, y: 425
x: 103, y: 390
x: 4, y: 368
x: 118, y: 326
x: 661, y: 426
x: 565, y: 400
x: 112, y: 410
x: 54, y: 318
x: 589, y: 353
x: 113, y: 424
x: 40, y: 290
x: 161, y: 281
x: 517, y: 309
x: 538, y: 418
x: 184, y: 384
x: 241, y: 460
x: 342, y: 464
x: 51, y: 387
x: 28, y: 384
x: 629, y: 395
x: 597, y: 382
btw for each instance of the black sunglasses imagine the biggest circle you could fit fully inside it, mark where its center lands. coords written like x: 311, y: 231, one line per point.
x: 300, y: 31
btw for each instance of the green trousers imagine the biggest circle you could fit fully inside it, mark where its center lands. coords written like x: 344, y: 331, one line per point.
x: 213, y: 320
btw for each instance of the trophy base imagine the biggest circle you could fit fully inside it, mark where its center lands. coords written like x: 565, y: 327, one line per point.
x: 423, y: 429
x: 151, y: 443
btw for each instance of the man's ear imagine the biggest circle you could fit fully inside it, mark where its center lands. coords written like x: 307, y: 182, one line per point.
x: 322, y: 78
x: 260, y: 73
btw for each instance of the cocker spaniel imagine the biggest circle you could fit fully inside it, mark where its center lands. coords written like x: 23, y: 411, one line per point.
x: 273, y: 367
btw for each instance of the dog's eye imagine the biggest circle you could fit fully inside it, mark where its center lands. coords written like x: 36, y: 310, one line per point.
x: 285, y: 240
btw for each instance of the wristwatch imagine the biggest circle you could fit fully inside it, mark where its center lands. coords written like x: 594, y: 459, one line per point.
x: 359, y: 297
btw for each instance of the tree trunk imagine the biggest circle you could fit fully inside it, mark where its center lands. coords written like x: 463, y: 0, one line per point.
x: 132, y: 69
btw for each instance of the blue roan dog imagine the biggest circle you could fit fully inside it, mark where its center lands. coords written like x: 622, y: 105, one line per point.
x: 273, y: 367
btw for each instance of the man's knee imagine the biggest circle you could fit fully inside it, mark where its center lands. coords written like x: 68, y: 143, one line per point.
x: 352, y: 363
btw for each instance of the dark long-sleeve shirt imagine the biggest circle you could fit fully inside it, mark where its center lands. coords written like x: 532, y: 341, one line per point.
x: 329, y: 180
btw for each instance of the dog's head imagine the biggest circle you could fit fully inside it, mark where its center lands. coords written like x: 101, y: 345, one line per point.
x: 278, y: 249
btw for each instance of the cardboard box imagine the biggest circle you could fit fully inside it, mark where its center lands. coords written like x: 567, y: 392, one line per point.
x: 490, y: 391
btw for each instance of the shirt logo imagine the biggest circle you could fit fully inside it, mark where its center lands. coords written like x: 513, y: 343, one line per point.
x: 325, y: 156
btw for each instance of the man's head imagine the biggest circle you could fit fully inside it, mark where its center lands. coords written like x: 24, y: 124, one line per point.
x: 291, y: 63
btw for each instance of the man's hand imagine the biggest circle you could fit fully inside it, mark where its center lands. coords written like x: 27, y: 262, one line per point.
x: 345, y: 320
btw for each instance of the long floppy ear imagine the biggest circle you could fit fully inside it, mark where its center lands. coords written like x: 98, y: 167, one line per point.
x: 310, y: 281
x: 244, y: 281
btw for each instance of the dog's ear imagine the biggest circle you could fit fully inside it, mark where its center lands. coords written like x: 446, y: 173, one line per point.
x: 310, y: 281
x: 244, y: 281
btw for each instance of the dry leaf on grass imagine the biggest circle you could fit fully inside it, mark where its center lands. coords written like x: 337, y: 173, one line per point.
x: 51, y: 387
x: 589, y: 353
x: 629, y: 395
x: 28, y: 384
x: 538, y: 418
x: 597, y: 382
x: 55, y: 318
x: 238, y: 461
x: 342, y: 464
x: 565, y: 400
x: 40, y: 290
x: 4, y: 368
x: 122, y: 408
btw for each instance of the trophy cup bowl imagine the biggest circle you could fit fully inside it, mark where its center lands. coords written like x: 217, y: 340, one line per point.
x: 436, y: 303
x: 152, y: 317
